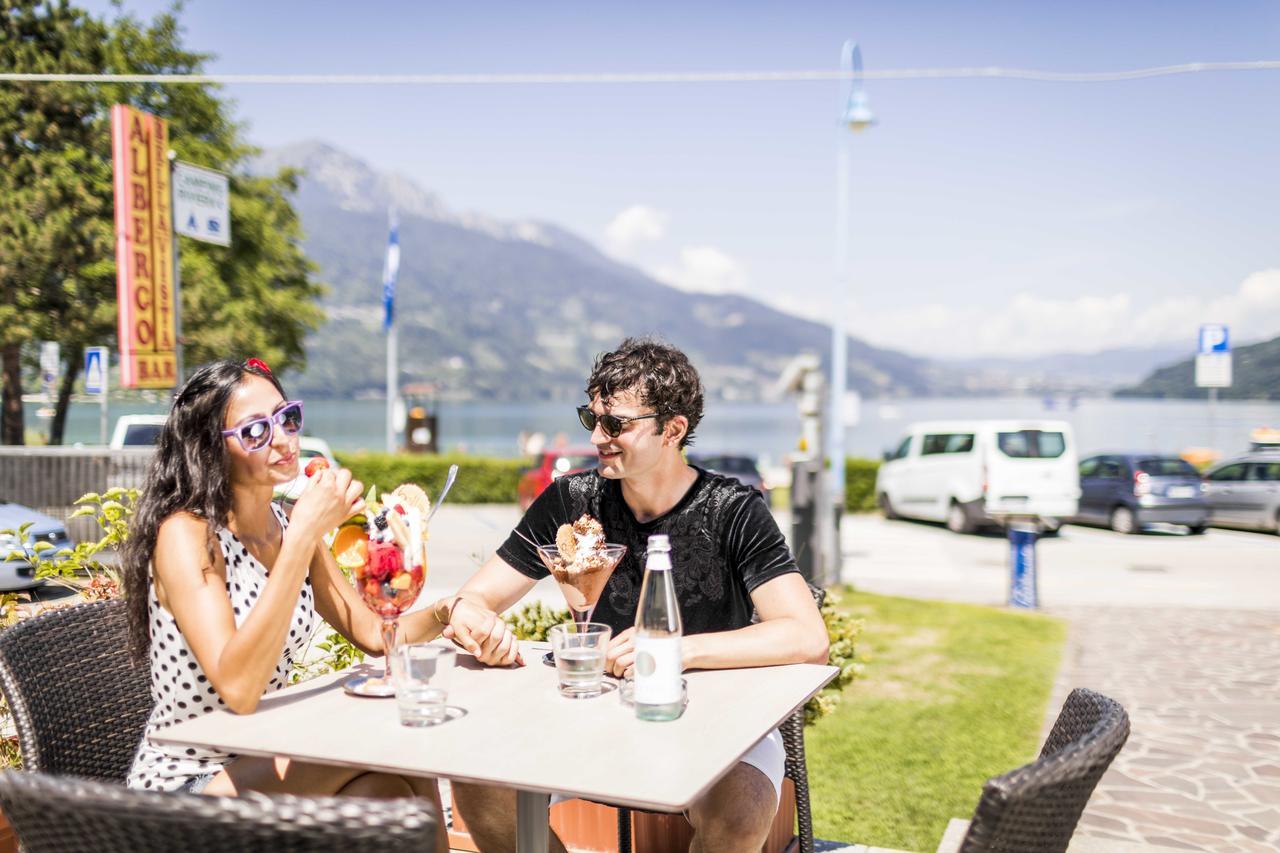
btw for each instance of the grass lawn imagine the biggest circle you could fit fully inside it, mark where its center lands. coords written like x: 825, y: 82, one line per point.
x: 952, y: 694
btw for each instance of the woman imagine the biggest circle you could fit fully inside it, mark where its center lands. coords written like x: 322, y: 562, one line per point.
x: 224, y: 587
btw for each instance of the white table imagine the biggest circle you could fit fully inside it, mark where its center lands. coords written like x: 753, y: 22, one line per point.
x: 518, y: 732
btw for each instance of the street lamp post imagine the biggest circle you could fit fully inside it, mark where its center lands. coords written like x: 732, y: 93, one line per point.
x: 856, y: 116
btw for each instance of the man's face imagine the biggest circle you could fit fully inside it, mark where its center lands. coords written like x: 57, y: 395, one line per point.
x: 638, y: 448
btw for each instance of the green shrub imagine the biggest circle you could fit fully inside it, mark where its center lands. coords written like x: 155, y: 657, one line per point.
x: 480, y: 480
x: 842, y: 634
x: 534, y: 620
x: 860, y: 484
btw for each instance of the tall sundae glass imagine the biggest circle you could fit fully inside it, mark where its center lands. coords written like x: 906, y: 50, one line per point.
x: 582, y: 563
x: 389, y: 566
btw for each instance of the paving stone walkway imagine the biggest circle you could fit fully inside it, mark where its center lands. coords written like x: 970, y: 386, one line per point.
x: 1201, y: 770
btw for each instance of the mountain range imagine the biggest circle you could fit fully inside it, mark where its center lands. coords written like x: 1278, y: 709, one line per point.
x: 518, y: 310
x: 495, y: 310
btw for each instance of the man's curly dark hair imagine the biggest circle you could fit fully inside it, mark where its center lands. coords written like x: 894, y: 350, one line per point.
x: 658, y: 373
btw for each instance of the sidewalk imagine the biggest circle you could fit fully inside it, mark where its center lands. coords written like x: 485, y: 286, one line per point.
x: 1201, y: 770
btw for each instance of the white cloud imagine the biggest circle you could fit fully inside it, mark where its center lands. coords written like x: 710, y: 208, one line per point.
x: 1034, y: 325
x: 633, y: 227
x: 704, y: 269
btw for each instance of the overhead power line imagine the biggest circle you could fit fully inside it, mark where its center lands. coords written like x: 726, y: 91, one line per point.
x: 647, y: 76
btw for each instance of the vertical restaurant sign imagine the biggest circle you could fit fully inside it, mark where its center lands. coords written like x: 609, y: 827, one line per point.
x: 144, y: 249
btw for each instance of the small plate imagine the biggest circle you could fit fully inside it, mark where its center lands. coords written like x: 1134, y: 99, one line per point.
x: 370, y: 686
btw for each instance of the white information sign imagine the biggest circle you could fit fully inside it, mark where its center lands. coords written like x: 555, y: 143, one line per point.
x: 201, y: 204
x: 1213, y: 370
x: 95, y: 370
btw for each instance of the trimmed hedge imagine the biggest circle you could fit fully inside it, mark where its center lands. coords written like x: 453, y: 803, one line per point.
x: 860, y: 484
x: 481, y: 479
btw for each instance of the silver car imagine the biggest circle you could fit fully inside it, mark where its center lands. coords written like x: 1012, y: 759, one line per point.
x: 1245, y: 492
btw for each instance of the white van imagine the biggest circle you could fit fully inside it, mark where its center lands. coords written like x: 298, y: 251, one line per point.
x: 970, y: 473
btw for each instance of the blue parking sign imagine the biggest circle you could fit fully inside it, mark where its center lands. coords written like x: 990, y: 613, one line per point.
x: 95, y: 370
x: 1214, y: 338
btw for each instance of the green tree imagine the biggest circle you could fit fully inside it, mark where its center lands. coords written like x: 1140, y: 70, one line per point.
x: 57, y: 265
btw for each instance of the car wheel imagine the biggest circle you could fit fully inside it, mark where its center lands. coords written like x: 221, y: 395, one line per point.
x: 1197, y: 529
x: 1123, y: 520
x: 1050, y: 526
x: 958, y: 519
x: 886, y: 507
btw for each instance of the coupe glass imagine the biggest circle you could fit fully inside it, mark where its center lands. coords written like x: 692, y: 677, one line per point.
x: 389, y: 582
x: 582, y: 584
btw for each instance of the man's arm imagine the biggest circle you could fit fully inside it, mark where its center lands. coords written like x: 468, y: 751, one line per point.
x: 790, y: 630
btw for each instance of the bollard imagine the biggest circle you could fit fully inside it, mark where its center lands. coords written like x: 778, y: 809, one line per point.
x: 1022, y: 563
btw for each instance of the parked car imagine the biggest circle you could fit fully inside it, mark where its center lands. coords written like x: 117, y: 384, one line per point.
x: 742, y: 468
x: 19, y: 573
x: 1245, y: 492
x: 1129, y: 491
x: 972, y: 473
x: 136, y: 431
x: 308, y: 449
x: 551, y: 465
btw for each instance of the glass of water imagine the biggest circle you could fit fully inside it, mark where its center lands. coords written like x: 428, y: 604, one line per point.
x: 579, y: 649
x: 420, y: 673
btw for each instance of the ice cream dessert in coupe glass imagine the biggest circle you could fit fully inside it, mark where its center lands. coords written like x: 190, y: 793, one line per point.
x: 582, y: 563
x: 384, y: 549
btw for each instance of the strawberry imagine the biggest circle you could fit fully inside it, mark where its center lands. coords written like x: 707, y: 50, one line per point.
x: 317, y: 463
x: 386, y: 560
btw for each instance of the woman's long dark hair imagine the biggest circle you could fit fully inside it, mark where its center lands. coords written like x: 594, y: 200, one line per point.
x: 190, y: 473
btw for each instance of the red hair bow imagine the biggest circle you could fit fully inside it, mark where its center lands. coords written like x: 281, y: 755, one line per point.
x: 259, y: 364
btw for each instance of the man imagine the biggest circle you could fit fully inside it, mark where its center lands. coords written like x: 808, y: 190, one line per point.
x: 730, y: 560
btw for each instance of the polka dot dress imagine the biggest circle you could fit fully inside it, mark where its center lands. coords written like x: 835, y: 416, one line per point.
x: 179, y: 687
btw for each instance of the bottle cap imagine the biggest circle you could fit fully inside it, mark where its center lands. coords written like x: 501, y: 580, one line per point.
x: 659, y: 542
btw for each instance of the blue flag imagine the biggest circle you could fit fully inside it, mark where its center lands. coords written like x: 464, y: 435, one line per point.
x: 390, y: 271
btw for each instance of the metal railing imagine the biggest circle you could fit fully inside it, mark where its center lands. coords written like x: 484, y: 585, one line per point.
x: 50, y: 479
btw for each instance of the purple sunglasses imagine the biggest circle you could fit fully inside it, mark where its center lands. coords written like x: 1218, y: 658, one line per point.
x: 256, y: 434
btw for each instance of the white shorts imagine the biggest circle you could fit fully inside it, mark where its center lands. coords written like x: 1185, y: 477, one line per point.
x: 768, y: 756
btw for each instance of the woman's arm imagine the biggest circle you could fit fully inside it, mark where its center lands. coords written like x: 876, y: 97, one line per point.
x: 240, y: 661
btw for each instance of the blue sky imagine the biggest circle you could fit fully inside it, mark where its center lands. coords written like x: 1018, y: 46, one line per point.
x: 989, y: 216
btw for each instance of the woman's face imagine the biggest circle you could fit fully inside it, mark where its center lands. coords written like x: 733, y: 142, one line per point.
x: 274, y: 464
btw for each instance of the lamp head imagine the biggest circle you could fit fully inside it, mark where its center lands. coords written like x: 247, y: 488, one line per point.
x: 857, y: 113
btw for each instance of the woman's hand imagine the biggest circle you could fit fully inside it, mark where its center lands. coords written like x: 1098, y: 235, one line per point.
x: 330, y: 498
x: 480, y: 632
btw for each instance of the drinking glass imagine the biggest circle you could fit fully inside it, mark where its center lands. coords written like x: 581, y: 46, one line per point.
x: 389, y: 582
x: 421, y: 674
x: 579, y: 650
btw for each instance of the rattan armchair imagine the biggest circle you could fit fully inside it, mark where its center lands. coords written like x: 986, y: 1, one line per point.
x: 60, y: 814
x: 1035, y: 808
x: 79, y: 702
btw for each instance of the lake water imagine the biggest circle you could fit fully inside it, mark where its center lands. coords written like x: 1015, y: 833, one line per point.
x: 771, y: 430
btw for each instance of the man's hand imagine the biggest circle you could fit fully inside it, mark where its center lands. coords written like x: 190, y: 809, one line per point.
x: 621, y: 656
x: 482, y: 633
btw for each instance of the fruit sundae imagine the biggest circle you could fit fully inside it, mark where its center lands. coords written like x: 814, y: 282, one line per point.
x: 385, y: 548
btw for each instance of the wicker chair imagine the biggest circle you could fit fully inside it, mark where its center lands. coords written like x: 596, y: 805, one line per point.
x: 1035, y: 808
x: 78, y: 700
x: 61, y: 814
x: 797, y: 769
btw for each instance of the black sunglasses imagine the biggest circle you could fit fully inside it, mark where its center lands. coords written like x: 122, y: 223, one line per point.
x: 256, y: 434
x: 611, y: 424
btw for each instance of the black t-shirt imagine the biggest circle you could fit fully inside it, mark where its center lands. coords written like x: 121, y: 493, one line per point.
x: 724, y: 544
